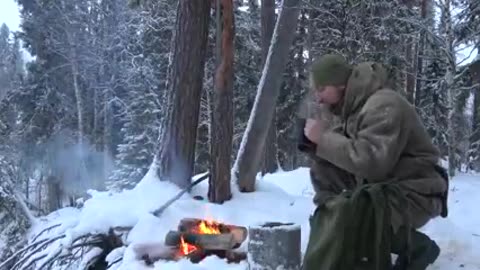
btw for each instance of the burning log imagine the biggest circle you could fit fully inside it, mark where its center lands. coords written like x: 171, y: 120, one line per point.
x: 273, y: 245
x: 201, y: 226
x: 224, y: 241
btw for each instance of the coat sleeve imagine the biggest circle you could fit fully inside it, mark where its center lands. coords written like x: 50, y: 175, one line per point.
x: 381, y: 137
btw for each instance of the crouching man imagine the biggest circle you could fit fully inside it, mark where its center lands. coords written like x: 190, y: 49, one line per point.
x: 379, y: 145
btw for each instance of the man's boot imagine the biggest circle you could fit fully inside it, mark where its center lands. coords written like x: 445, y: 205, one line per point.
x: 423, y: 251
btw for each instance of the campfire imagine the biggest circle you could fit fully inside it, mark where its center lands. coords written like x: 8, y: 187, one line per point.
x: 271, y: 245
x: 196, y: 239
x: 203, y: 227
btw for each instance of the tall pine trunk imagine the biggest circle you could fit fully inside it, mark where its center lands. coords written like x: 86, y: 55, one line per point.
x: 267, y: 26
x: 410, y: 83
x: 54, y: 193
x: 420, y: 50
x: 222, y: 118
x: 79, y: 100
x: 474, y: 151
x: 176, y: 151
x: 107, y: 140
x: 450, y: 88
x: 249, y: 156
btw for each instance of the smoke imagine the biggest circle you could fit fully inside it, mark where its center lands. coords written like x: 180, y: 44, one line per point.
x: 76, y: 167
x: 176, y: 170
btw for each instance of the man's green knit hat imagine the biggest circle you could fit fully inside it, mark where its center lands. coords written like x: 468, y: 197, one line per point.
x: 330, y: 69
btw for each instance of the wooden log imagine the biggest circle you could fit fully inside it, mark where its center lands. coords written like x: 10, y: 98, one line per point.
x: 152, y: 252
x: 222, y: 241
x: 240, y: 233
x: 197, y: 256
x: 190, y: 224
x: 274, y: 246
x: 235, y: 256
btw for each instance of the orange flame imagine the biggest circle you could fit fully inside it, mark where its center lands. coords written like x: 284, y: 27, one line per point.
x: 186, y: 248
x: 208, y: 227
x: 204, y: 227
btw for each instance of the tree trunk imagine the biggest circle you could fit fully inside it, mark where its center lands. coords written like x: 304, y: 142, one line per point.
x: 107, y: 140
x: 474, y: 151
x: 410, y: 83
x: 450, y: 88
x: 476, y: 129
x: 176, y: 151
x: 78, y: 96
x: 222, y: 122
x: 249, y: 156
x: 268, y: 24
x: 420, y: 50
x: 54, y: 193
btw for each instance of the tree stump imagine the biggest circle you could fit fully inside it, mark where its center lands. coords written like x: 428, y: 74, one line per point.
x: 274, y: 246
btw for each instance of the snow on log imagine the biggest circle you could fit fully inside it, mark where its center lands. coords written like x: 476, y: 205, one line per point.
x: 274, y: 246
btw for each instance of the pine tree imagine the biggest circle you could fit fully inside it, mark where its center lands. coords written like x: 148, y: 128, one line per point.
x: 248, y: 62
x: 433, y: 105
x: 5, y: 53
x: 268, y: 19
x: 474, y: 149
x: 467, y: 31
x: 15, y: 217
x: 219, y: 189
x: 293, y: 89
x: 176, y: 151
x: 144, y: 74
x: 364, y: 31
x: 17, y: 72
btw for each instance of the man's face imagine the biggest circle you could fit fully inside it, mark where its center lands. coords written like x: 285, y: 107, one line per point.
x: 330, y: 95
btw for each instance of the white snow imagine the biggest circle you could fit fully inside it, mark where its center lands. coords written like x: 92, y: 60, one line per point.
x: 280, y: 197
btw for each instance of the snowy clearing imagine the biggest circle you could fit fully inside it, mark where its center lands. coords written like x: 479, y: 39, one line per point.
x: 283, y: 196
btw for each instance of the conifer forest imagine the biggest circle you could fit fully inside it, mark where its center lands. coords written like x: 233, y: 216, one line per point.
x: 96, y: 94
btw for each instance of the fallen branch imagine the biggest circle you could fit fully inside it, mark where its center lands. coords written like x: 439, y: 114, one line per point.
x: 24, y: 249
x: 38, y: 253
x: 115, y: 262
x: 52, y: 259
x: 160, y: 210
x: 45, y: 230
x: 36, y: 250
x: 33, y: 261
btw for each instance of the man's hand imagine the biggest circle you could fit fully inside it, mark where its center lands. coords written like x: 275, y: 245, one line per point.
x: 313, y: 129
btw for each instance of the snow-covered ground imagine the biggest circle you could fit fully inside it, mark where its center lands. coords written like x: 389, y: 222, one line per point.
x: 283, y: 196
